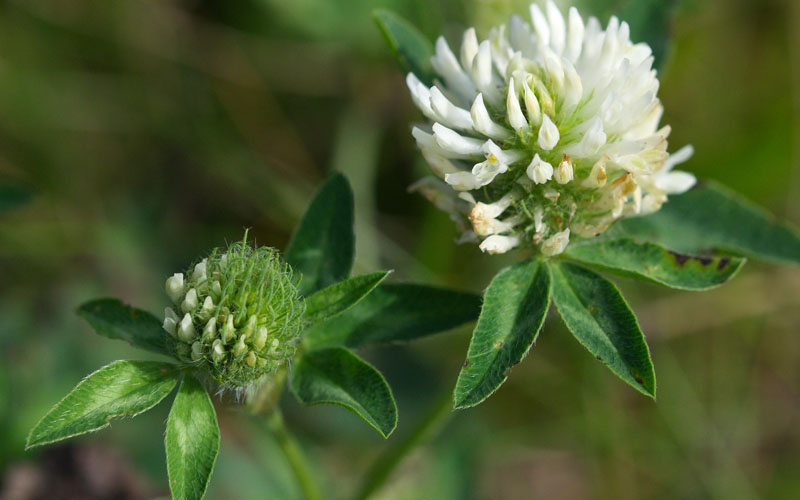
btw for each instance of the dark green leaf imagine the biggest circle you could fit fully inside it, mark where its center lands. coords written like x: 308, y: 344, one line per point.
x: 411, y: 48
x: 714, y: 218
x: 13, y: 196
x: 120, y: 389
x: 513, y: 312
x: 397, y: 312
x: 341, y: 296
x: 655, y: 263
x: 597, y: 314
x: 191, y: 441
x: 115, y: 320
x: 323, y: 245
x: 337, y: 376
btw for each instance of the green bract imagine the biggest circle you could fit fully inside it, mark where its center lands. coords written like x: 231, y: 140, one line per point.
x: 238, y: 314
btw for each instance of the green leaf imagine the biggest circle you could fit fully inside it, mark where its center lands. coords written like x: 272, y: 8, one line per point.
x: 13, y: 196
x: 191, y: 441
x: 713, y: 218
x: 115, y: 320
x: 655, y: 263
x: 337, y: 376
x: 411, y: 48
x: 598, y: 316
x: 337, y: 298
x: 323, y: 245
x: 120, y: 389
x: 513, y: 313
x: 397, y: 312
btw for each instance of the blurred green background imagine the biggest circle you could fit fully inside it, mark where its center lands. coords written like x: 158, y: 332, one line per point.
x: 151, y: 131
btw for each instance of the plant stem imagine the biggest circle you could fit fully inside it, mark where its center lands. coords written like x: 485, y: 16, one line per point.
x: 387, y: 463
x: 297, y: 461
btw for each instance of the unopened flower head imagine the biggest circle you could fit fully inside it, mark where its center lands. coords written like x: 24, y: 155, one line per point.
x: 546, y: 131
x: 237, y: 314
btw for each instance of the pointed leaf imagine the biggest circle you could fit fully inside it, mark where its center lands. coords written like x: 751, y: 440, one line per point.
x: 341, y: 296
x: 337, y: 376
x: 411, y: 48
x: 120, y: 389
x: 655, y: 263
x: 115, y: 320
x: 191, y: 441
x: 714, y: 218
x: 513, y: 312
x: 323, y: 245
x: 397, y: 312
x: 598, y: 316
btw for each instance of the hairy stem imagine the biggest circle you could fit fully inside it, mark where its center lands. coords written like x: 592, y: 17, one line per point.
x: 297, y: 461
x: 386, y: 464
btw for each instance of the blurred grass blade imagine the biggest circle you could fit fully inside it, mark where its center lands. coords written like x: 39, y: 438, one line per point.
x: 339, y: 297
x: 514, y: 309
x: 13, y: 196
x: 120, y: 389
x: 714, y: 218
x: 323, y: 245
x: 337, y: 376
x: 115, y: 320
x: 655, y: 263
x: 598, y: 316
x: 191, y: 442
x: 650, y: 21
x: 397, y: 312
x: 411, y: 48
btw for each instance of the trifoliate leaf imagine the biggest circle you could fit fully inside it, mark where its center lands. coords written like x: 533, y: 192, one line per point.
x: 115, y: 320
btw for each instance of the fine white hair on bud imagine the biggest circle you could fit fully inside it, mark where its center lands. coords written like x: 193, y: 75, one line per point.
x: 242, y: 315
x: 556, y: 109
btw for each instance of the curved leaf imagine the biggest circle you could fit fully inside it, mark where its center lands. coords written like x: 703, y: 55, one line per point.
x: 513, y: 312
x: 341, y: 296
x: 598, y: 316
x: 323, y: 245
x: 714, y: 218
x: 655, y: 263
x: 337, y: 376
x: 115, y: 320
x: 120, y: 389
x: 191, y: 441
x: 411, y: 48
x: 396, y: 312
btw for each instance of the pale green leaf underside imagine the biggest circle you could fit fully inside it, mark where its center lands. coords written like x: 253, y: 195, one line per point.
x: 411, y: 48
x: 337, y: 376
x: 191, y: 442
x: 115, y: 320
x: 120, y: 389
x: 341, y: 296
x: 712, y: 218
x: 323, y: 245
x: 514, y: 308
x: 655, y: 263
x: 598, y: 316
x: 396, y: 312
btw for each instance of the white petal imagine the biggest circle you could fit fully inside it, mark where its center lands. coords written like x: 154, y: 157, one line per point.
x: 539, y: 171
x: 497, y: 244
x: 676, y: 182
x: 680, y: 156
x: 462, y: 181
x: 452, y: 141
x: 469, y: 48
x: 482, y: 73
x: 558, y: 30
x: 174, y: 287
x: 448, y: 113
x: 548, y: 134
x: 564, y: 173
x: 556, y: 244
x: 531, y: 105
x: 446, y: 64
x: 540, y: 25
x: 484, y: 124
x: 421, y: 95
x: 575, y: 35
x: 440, y: 165
x: 506, y: 156
x: 593, y: 139
x: 514, y: 110
x: 573, y: 87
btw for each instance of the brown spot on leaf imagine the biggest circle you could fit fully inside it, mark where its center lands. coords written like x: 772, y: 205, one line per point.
x: 723, y: 263
x: 680, y: 258
x: 466, y: 363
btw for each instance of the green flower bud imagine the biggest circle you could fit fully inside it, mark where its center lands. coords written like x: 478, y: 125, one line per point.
x: 242, y: 315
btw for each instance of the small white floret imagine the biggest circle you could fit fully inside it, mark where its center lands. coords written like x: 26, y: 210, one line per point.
x: 175, y: 287
x: 539, y: 171
x: 556, y: 244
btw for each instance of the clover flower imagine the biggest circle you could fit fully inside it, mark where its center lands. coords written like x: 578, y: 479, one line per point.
x: 545, y: 133
x: 237, y: 313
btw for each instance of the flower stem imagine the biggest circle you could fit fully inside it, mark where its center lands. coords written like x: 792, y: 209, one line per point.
x: 297, y: 461
x: 387, y: 463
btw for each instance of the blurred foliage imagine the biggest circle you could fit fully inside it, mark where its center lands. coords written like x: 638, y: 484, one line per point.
x: 152, y: 131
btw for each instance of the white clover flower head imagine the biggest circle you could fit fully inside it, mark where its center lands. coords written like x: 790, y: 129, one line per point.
x: 552, y: 124
x: 241, y: 315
